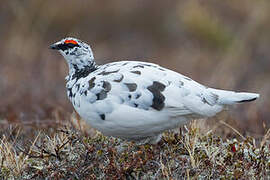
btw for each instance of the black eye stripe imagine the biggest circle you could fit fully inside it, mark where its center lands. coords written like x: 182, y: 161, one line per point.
x: 70, y: 45
x: 67, y: 46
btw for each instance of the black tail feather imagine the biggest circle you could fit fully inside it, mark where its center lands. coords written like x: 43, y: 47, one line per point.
x: 247, y: 100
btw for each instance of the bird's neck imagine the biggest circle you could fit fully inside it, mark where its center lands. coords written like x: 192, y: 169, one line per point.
x: 81, y: 70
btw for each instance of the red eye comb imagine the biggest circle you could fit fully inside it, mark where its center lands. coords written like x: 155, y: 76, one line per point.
x: 70, y: 41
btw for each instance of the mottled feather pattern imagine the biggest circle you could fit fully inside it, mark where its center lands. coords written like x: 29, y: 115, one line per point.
x: 109, y: 80
x: 145, y: 89
x: 136, y: 100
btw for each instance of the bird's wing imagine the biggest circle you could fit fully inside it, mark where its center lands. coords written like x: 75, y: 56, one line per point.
x: 148, y: 86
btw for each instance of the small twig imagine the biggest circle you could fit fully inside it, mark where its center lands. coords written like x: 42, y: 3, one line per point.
x: 229, y: 126
x: 187, y: 170
x: 64, y: 144
x: 58, y: 149
x: 265, y: 137
x: 49, y: 153
x: 30, y: 155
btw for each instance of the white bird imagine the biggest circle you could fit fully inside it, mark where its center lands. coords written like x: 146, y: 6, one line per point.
x: 136, y: 100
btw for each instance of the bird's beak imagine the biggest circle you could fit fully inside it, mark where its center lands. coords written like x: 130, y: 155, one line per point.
x: 55, y: 46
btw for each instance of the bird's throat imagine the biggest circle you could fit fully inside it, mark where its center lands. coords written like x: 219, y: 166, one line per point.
x: 77, y: 72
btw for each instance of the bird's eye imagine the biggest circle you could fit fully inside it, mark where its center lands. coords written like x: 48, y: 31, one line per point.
x: 70, y: 45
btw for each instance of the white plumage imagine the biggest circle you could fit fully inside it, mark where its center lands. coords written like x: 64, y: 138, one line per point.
x: 136, y: 100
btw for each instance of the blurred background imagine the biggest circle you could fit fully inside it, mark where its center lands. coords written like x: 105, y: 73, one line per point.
x: 222, y: 44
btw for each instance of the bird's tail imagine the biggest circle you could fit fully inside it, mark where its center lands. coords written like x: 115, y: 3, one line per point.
x: 230, y: 97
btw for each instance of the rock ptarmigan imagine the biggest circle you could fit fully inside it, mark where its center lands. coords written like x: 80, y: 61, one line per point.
x: 136, y: 100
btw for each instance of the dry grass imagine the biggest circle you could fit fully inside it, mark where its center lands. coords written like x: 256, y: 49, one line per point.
x: 66, y: 153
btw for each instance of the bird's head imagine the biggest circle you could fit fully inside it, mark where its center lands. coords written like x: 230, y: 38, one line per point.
x: 76, y: 52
